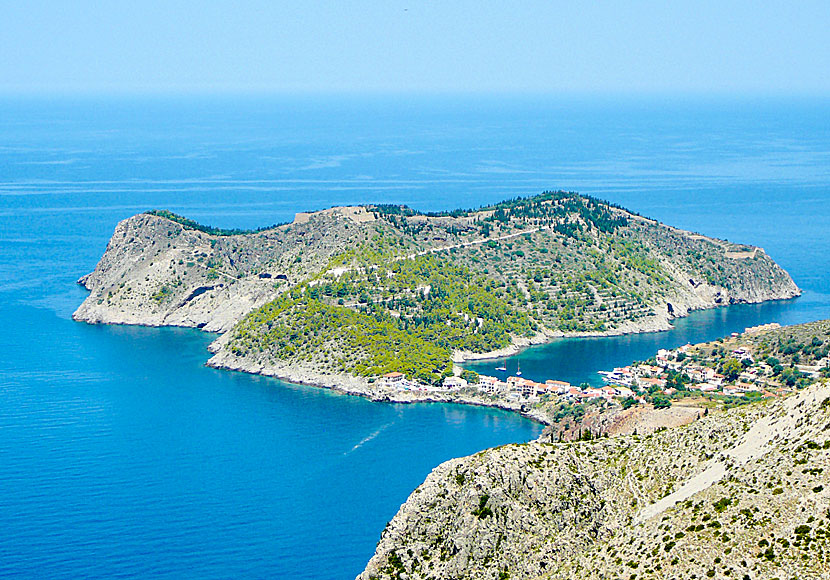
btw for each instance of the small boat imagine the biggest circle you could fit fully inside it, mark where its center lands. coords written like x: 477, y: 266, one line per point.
x: 518, y: 369
x: 616, y: 377
x: 502, y: 368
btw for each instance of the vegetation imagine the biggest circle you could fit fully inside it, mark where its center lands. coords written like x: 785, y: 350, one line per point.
x: 407, y: 318
x: 793, y: 356
x: 193, y: 225
x: 464, y: 280
x: 291, y: 329
x: 589, y: 504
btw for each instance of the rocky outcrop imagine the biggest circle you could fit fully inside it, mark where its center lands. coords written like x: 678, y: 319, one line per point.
x: 156, y: 272
x: 739, y: 493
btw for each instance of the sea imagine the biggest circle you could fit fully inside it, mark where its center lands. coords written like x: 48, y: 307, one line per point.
x: 123, y: 456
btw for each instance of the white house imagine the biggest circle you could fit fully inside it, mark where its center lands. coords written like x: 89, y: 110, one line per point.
x: 397, y: 380
x: 454, y: 383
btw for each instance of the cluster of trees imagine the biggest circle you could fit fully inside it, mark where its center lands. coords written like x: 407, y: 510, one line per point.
x: 782, y: 353
x: 408, y: 317
x: 303, y: 329
x: 558, y: 283
x: 790, y: 347
x: 568, y: 301
x: 814, y: 348
x: 634, y: 255
x: 570, y: 212
x: 389, y: 209
x: 435, y: 298
x: 189, y: 224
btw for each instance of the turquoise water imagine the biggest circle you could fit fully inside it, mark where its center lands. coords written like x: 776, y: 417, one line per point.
x: 122, y: 455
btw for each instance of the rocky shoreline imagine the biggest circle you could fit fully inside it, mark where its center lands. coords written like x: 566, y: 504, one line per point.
x: 358, y: 386
x: 361, y: 387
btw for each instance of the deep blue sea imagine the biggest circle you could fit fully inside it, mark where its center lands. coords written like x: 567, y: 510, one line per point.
x: 121, y: 455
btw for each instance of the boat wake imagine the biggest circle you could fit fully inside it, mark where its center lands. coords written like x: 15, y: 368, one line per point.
x: 369, y: 437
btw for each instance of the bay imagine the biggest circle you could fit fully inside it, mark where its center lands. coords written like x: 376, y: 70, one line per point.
x: 121, y: 455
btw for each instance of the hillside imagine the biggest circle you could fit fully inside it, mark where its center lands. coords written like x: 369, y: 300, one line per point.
x: 349, y: 294
x: 676, y: 386
x: 740, y: 493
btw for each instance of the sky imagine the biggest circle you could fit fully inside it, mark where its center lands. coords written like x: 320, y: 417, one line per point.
x: 396, y: 46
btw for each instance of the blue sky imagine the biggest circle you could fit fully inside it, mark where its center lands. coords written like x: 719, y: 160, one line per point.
x: 719, y: 47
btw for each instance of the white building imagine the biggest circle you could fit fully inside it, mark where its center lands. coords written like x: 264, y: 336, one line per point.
x: 454, y: 383
x: 397, y: 380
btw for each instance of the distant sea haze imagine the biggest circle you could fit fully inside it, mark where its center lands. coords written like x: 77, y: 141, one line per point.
x: 122, y: 455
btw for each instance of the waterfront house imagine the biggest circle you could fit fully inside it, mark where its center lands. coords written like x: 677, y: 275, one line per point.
x: 454, y: 383
x: 491, y: 385
x: 397, y: 380
x: 557, y: 386
x: 573, y: 393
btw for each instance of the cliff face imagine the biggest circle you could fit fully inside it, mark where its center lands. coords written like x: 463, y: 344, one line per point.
x: 464, y: 283
x: 741, y: 493
x: 155, y: 272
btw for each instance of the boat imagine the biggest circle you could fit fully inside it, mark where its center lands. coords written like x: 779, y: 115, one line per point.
x: 518, y: 369
x: 502, y: 368
x: 616, y: 377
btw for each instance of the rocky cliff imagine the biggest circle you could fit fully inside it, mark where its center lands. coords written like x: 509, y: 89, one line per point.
x: 742, y: 493
x: 158, y: 272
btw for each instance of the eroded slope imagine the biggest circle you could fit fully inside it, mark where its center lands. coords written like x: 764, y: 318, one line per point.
x: 739, y: 493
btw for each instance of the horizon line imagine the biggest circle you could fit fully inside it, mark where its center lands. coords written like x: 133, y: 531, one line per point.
x: 12, y: 93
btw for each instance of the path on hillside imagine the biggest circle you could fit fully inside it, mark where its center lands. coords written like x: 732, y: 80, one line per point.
x: 342, y: 270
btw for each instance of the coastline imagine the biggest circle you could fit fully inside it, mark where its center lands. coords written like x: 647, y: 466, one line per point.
x: 360, y: 387
x: 346, y: 384
x: 157, y: 272
x: 654, y: 324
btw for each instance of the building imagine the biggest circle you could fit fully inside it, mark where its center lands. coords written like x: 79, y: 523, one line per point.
x: 397, y: 380
x: 491, y: 385
x: 557, y: 387
x: 454, y: 383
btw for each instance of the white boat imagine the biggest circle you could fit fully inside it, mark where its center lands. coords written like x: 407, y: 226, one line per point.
x: 616, y: 378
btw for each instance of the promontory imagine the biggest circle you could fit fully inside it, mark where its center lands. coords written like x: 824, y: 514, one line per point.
x: 344, y: 296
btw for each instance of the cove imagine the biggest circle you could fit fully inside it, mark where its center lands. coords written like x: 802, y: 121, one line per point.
x: 577, y: 360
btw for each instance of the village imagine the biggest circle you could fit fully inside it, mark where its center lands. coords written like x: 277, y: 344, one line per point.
x: 734, y: 372
x: 514, y: 388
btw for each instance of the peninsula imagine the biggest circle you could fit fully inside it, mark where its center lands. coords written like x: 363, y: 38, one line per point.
x: 353, y: 298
